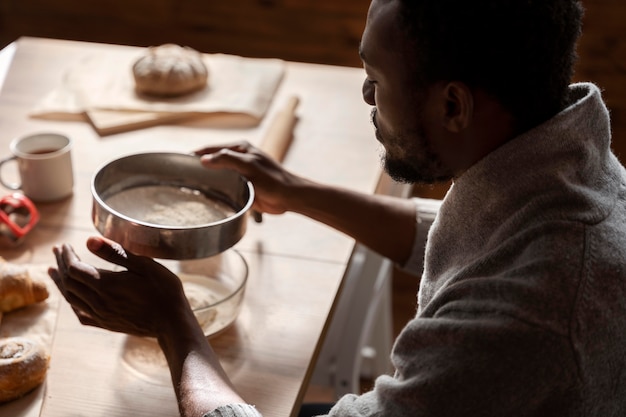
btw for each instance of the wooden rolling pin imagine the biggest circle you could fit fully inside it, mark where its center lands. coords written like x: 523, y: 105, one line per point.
x: 280, y: 132
x: 279, y: 136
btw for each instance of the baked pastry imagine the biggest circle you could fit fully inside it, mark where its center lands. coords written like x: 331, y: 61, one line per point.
x: 170, y: 70
x: 17, y: 288
x: 23, y: 367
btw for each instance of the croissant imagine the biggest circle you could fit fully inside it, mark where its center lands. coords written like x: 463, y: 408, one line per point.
x: 17, y: 288
x: 23, y: 367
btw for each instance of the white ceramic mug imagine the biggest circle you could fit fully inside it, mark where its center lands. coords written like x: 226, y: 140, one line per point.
x: 44, y: 164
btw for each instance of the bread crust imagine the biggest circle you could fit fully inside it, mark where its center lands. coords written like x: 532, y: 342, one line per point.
x: 23, y: 367
x: 17, y: 288
x: 170, y: 70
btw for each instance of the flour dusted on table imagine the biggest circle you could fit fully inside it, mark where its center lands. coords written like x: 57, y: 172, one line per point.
x: 167, y: 205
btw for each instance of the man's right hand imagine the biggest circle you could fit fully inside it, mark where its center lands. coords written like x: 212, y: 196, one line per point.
x: 273, y: 185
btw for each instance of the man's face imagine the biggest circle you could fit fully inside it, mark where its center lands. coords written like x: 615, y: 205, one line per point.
x: 402, y: 112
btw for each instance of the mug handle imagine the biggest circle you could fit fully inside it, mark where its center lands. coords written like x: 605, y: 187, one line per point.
x: 10, y: 186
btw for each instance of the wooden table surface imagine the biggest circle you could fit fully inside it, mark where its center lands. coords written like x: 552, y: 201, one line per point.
x: 296, y: 265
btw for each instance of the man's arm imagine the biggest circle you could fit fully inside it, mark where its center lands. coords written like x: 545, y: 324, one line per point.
x: 385, y: 224
x: 198, y: 378
x: 146, y: 299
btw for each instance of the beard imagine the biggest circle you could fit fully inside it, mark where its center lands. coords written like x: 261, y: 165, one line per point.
x: 430, y: 172
x: 410, y: 158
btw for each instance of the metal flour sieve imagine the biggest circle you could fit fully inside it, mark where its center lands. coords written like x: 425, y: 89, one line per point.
x: 168, y: 206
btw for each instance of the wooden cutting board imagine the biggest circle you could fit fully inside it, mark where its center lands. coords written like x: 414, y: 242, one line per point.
x: 109, y: 122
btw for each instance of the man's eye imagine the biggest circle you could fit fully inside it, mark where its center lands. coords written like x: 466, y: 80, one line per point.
x: 370, y: 81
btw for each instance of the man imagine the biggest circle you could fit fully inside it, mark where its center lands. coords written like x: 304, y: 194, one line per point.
x: 522, y: 304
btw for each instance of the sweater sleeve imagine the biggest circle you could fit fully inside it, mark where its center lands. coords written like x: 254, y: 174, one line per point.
x: 472, y: 366
x: 425, y: 213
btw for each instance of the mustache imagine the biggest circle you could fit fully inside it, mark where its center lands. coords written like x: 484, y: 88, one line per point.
x: 373, y: 114
x: 377, y: 132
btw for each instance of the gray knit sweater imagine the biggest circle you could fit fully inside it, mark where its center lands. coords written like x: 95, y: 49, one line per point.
x: 522, y: 304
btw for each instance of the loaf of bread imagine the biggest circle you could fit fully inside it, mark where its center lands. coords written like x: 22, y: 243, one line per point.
x: 23, y: 367
x: 17, y: 288
x: 170, y: 70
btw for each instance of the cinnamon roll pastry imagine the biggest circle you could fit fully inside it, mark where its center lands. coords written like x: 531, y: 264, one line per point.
x: 23, y: 367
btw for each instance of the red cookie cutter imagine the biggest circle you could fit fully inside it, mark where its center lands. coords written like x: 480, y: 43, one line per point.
x: 18, y: 215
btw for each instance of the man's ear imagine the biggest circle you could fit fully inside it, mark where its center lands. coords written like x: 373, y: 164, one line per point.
x: 458, y: 103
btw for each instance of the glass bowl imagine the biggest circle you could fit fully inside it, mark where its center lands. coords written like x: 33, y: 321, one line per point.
x: 214, y: 287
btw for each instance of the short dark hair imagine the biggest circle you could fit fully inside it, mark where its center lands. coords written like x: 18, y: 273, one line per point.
x: 522, y: 52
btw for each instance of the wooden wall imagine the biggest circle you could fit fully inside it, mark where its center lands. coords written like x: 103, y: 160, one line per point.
x: 325, y: 31
x: 322, y: 31
x: 602, y: 51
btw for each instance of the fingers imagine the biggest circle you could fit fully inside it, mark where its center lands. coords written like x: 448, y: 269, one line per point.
x: 85, y: 318
x: 228, y: 159
x: 112, y: 252
x: 103, y: 298
x: 238, y: 156
x: 69, y: 266
x: 73, y: 278
x: 62, y: 259
x: 58, y: 280
x: 240, y: 146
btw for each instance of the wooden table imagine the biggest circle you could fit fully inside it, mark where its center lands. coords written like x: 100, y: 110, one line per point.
x: 296, y: 265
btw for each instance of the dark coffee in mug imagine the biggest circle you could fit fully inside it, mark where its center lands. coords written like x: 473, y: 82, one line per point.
x: 42, y: 151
